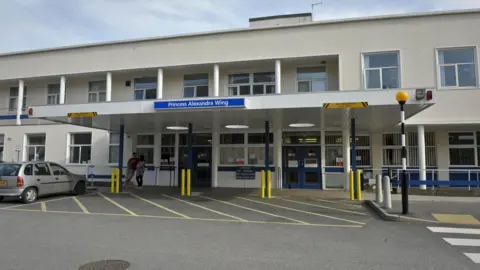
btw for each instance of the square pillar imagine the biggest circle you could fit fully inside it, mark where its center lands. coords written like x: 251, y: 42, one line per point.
x: 422, y: 162
x: 346, y: 148
x: 177, y: 158
x: 278, y: 77
x: 322, y: 148
x: 62, y: 90
x: 215, y: 156
x: 108, y: 95
x: 121, y: 144
x: 160, y: 83
x: 21, y: 85
x: 277, y: 149
x: 157, y: 156
x: 216, y: 80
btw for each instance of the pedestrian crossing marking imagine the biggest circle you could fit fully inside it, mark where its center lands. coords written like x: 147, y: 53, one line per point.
x: 454, y: 230
x: 456, y: 219
x: 463, y: 242
x: 475, y: 257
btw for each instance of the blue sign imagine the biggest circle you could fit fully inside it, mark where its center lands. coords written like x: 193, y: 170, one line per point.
x: 200, y: 103
x: 245, y: 173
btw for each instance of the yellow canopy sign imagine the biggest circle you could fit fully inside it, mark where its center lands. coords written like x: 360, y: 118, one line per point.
x: 82, y: 114
x: 345, y: 105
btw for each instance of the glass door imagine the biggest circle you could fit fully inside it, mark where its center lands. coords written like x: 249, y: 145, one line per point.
x: 291, y: 167
x: 202, y: 167
x: 302, y: 167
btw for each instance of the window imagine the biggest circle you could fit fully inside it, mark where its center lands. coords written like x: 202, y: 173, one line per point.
x: 41, y: 169
x: 462, y: 147
x: 334, y: 150
x: 260, y: 83
x: 2, y: 141
x: 457, y: 67
x: 195, y: 85
x: 312, y: 79
x: 232, y: 149
x: 58, y: 170
x: 113, y: 148
x: 145, y: 88
x: 197, y: 139
x: 80, y: 148
x: 381, y: 70
x: 12, y: 102
x: 35, y: 147
x: 392, y: 149
x: 28, y: 170
x: 9, y: 169
x: 259, y: 138
x: 53, y: 94
x: 301, y: 138
x: 97, y: 91
x: 168, y: 150
x: 256, y: 148
x: 145, y: 147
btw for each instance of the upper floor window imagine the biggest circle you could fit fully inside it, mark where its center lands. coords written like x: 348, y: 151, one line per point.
x: 145, y: 88
x: 457, y: 67
x: 13, y: 99
x: 195, y: 85
x: 381, y: 70
x: 53, y: 93
x: 312, y: 79
x: 260, y: 83
x: 97, y: 91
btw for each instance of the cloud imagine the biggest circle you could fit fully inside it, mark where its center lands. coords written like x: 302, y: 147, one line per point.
x: 33, y: 24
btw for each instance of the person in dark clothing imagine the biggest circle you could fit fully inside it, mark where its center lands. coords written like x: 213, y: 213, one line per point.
x: 140, y: 171
x: 131, y: 167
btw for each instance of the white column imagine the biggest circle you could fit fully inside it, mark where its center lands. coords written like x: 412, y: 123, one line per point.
x: 322, y: 148
x: 278, y: 77
x: 177, y: 156
x: 109, y: 87
x: 216, y: 80
x: 277, y: 149
x: 346, y: 147
x: 160, y: 84
x: 62, y: 90
x: 157, y: 157
x: 422, y: 164
x: 20, y: 101
x: 215, y: 156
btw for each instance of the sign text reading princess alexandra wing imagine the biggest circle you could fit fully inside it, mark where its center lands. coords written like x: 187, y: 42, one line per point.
x: 200, y: 104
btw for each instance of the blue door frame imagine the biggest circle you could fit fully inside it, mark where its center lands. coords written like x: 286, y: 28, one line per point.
x: 302, y: 167
x: 201, y: 174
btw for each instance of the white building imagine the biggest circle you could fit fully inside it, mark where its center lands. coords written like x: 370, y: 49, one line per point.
x: 281, y: 69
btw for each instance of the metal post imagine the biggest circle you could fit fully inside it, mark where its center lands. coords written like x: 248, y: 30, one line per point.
x: 120, y: 155
x: 404, y: 162
x: 190, y: 148
x: 387, y: 200
x: 353, y: 157
x: 379, y: 190
x: 267, y: 148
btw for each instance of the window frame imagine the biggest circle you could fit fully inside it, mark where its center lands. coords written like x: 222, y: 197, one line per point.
x: 110, y: 145
x: 2, y: 145
x: 96, y: 92
x: 24, y: 104
x: 146, y: 146
x: 364, y: 69
x: 409, y: 148
x: 358, y: 147
x: 56, y: 96
x: 474, y: 145
x: 27, y: 145
x: 310, y: 81
x: 70, y: 146
x: 246, y: 149
x: 195, y: 93
x: 144, y: 90
x: 251, y: 83
x: 438, y: 67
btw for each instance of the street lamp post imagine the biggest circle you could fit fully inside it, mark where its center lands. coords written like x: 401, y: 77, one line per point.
x: 402, y: 98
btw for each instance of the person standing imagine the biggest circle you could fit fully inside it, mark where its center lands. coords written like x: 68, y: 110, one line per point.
x: 131, y: 167
x: 140, y: 171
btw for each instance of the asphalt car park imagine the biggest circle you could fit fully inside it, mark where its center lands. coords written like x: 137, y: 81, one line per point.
x: 206, y: 207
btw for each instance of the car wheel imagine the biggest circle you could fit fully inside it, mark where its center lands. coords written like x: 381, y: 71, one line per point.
x: 80, y: 188
x: 29, y: 195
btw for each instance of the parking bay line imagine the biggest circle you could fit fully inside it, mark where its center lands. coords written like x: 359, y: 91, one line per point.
x: 44, y: 206
x: 118, y: 205
x: 80, y: 204
x: 255, y: 210
x: 46, y: 201
x: 325, y: 207
x: 335, y: 202
x: 160, y: 206
x: 305, y: 212
x: 194, y: 219
x: 205, y: 208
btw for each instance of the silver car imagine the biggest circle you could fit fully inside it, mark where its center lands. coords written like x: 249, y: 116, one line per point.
x: 27, y: 181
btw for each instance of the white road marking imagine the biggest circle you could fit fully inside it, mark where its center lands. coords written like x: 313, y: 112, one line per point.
x: 475, y: 257
x: 325, y: 207
x: 463, y: 242
x: 454, y: 230
x: 159, y: 206
x: 80, y: 204
x: 118, y: 205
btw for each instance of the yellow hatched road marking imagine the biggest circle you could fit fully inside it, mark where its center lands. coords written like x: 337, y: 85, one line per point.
x: 205, y: 208
x: 159, y: 206
x: 84, y: 209
x: 195, y: 219
x: 305, y: 212
x: 255, y: 210
x: 325, y: 207
x: 52, y: 200
x: 457, y: 219
x: 118, y: 205
x: 335, y: 202
x: 44, y: 207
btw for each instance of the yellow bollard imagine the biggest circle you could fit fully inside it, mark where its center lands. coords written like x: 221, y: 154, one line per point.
x: 359, y: 186
x: 189, y: 182
x: 352, y: 187
x: 112, y: 181
x: 262, y: 184
x: 118, y: 181
x: 269, y: 184
x: 183, y: 182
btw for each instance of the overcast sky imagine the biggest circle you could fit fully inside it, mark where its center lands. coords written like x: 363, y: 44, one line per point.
x: 35, y: 24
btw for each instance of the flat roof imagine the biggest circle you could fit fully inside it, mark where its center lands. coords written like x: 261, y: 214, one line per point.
x: 280, y: 17
x: 237, y: 30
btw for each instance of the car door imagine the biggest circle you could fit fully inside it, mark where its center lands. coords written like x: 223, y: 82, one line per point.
x: 44, y: 178
x: 60, y: 176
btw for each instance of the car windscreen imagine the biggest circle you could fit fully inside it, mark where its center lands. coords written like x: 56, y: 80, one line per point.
x: 9, y: 169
